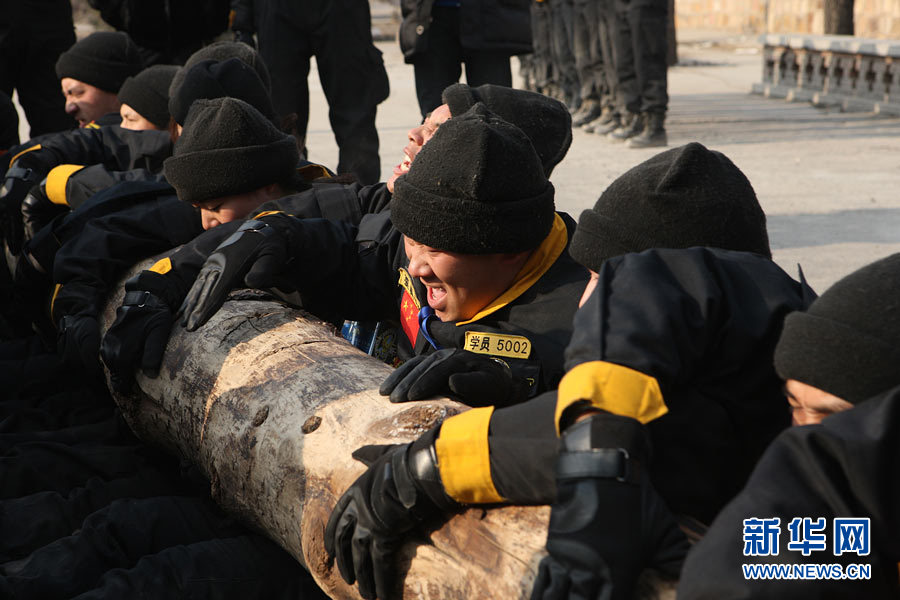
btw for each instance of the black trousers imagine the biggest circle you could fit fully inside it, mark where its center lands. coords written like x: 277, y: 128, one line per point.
x: 607, y: 31
x: 641, y: 55
x: 27, y: 64
x: 563, y: 28
x: 586, y: 48
x: 441, y: 64
x: 351, y: 71
x: 541, y: 32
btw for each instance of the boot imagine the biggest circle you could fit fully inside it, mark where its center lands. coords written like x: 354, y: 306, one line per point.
x: 654, y: 133
x: 632, y: 125
x: 589, y: 111
x: 606, y: 122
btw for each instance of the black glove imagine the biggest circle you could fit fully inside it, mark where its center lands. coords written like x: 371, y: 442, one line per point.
x: 139, y: 335
x: 78, y: 342
x: 38, y: 210
x: 20, y: 178
x: 473, y: 379
x: 246, y: 37
x: 401, y: 490
x: 253, y: 256
x: 607, y: 523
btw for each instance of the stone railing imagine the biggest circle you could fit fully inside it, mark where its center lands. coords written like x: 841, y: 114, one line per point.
x: 856, y: 74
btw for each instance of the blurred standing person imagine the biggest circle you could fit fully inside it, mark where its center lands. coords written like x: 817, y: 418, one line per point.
x: 166, y: 31
x: 561, y: 35
x: 588, y: 61
x: 609, y: 118
x: 438, y: 36
x: 33, y: 33
x: 641, y: 46
x: 339, y: 34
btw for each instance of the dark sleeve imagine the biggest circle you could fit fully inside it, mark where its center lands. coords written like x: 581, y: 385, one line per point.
x: 683, y: 341
x: 845, y: 467
x: 338, y: 274
x: 89, y: 265
x: 94, y: 179
x: 116, y: 148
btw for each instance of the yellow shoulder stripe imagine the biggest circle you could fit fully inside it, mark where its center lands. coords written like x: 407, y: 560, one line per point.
x: 538, y: 263
x: 313, y: 171
x: 53, y: 298
x: 464, y: 457
x: 266, y: 213
x: 56, y: 183
x: 162, y: 266
x: 16, y: 157
x: 611, y: 387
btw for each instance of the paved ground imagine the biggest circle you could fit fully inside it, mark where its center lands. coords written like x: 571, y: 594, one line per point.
x: 825, y: 179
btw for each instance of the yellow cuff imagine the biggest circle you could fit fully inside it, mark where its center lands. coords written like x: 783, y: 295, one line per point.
x: 464, y: 457
x: 56, y: 183
x: 611, y: 387
x: 162, y: 266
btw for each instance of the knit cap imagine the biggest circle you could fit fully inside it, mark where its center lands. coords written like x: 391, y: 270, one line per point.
x: 683, y: 197
x: 545, y: 121
x: 848, y: 342
x: 212, y: 79
x: 104, y: 60
x: 476, y: 187
x: 228, y: 148
x: 222, y: 51
x: 148, y: 93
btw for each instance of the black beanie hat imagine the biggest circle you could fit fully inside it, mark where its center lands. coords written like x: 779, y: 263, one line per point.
x: 148, y: 93
x: 683, y: 197
x: 104, y: 60
x: 222, y: 51
x: 545, y: 121
x: 213, y: 79
x: 848, y: 342
x: 476, y: 188
x: 228, y: 148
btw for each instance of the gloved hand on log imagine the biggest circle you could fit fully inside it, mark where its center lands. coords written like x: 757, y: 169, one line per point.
x: 253, y: 256
x: 24, y: 174
x: 473, y: 379
x: 607, y: 523
x: 400, y: 491
x: 138, y: 336
x: 38, y: 210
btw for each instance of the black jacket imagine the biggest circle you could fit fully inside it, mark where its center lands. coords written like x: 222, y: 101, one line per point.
x: 842, y: 468
x: 498, y: 26
x: 115, y: 148
x: 346, y: 269
x: 682, y: 340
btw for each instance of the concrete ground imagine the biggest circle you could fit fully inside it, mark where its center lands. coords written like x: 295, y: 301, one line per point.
x: 825, y: 179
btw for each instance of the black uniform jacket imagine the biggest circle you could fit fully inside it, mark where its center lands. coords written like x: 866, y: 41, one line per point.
x: 89, y: 248
x: 115, y: 148
x: 845, y: 467
x: 358, y: 272
x: 681, y: 340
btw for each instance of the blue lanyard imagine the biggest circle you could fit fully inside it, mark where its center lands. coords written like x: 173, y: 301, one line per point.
x: 426, y: 316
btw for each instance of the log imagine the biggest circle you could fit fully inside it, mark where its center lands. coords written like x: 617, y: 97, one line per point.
x: 269, y: 403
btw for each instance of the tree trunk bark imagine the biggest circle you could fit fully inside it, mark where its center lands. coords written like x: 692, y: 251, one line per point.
x: 839, y: 17
x: 269, y: 404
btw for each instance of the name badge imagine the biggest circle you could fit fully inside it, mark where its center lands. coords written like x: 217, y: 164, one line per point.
x: 498, y: 344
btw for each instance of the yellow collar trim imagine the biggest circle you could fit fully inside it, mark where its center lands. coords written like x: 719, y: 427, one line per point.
x: 538, y: 263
